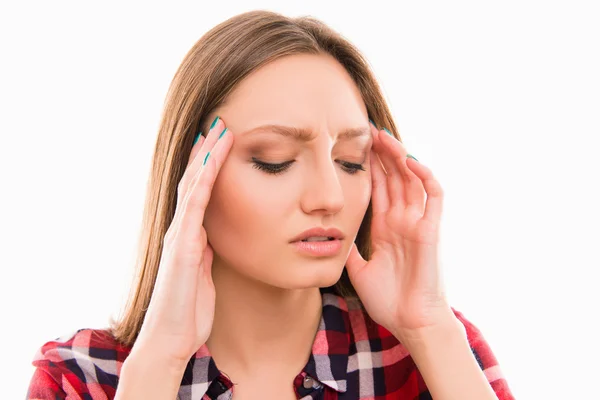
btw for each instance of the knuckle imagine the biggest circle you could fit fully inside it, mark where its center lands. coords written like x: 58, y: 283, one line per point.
x: 440, y: 190
x: 181, y: 186
x: 196, y: 198
x: 198, y: 190
x: 168, y: 239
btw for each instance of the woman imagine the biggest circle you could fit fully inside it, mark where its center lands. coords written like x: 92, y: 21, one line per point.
x: 289, y: 248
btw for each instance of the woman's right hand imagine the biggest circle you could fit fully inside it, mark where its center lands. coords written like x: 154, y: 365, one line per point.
x: 180, y: 314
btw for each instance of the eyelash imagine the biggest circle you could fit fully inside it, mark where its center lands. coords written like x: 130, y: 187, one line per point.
x: 275, y: 169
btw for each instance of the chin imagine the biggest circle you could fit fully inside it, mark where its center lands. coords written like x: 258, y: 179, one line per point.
x: 324, y: 276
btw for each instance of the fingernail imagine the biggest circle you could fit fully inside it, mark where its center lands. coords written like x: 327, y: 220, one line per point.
x: 214, y: 122
x: 222, y: 133
x: 385, y: 129
x: 372, y: 123
x: 409, y: 155
x: 197, y: 137
x: 206, y: 158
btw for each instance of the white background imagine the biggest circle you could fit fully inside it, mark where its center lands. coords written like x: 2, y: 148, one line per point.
x: 500, y: 99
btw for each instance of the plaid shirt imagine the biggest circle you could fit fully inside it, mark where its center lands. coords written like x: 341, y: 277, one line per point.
x: 352, y: 358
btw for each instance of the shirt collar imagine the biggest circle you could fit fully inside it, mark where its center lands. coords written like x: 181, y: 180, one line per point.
x: 328, y: 362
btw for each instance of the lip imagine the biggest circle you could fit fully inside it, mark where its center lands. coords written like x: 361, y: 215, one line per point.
x: 319, y: 231
x: 319, y: 249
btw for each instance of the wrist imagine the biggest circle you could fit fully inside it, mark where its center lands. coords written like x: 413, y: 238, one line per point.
x: 148, y: 358
x: 144, y: 375
x: 446, y: 362
x: 447, y: 328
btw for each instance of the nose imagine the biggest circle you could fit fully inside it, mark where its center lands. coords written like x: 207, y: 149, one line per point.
x: 323, y: 193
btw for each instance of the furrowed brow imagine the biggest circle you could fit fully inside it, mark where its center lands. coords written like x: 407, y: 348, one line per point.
x: 305, y: 135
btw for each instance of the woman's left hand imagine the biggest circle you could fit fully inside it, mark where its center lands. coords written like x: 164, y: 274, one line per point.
x: 401, y: 285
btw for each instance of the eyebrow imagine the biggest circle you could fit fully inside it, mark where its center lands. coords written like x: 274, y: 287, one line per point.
x: 305, y: 135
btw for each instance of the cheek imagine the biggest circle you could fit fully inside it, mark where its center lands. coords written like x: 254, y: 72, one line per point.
x: 241, y: 208
x: 357, y: 198
x: 358, y: 191
x: 230, y: 205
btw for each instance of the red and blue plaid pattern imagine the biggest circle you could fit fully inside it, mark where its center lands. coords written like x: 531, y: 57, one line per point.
x: 352, y: 358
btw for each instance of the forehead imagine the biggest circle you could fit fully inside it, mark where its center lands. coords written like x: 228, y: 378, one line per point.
x: 301, y: 90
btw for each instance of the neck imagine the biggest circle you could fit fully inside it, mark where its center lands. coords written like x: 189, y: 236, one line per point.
x: 261, y: 328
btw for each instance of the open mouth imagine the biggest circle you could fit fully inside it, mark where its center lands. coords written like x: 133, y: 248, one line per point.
x: 319, y: 240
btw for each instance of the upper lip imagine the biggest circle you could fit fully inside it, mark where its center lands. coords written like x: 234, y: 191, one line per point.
x: 319, y: 231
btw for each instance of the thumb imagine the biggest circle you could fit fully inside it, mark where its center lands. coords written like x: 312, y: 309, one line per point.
x: 205, y: 273
x: 355, y: 262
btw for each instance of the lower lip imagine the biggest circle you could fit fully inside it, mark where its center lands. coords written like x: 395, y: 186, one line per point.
x: 320, y: 249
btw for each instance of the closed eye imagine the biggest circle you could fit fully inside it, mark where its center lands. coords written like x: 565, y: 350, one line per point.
x: 275, y: 169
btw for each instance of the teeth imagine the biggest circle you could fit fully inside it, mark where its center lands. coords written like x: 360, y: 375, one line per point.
x: 316, y: 239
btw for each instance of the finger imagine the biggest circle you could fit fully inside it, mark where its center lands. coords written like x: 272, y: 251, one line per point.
x: 196, y: 200
x: 200, y: 153
x: 200, y: 150
x: 435, y: 193
x: 204, y: 287
x: 395, y: 153
x: 205, y: 273
x: 354, y: 263
x: 207, y: 260
x: 396, y: 179
x: 195, y: 150
x: 379, y: 193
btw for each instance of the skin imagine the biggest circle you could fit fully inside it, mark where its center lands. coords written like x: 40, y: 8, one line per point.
x: 264, y: 287
x: 267, y: 302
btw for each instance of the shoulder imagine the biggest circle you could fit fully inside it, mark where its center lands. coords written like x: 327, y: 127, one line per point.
x: 85, y: 361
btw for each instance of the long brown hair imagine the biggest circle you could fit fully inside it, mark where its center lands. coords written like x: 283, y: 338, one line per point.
x: 209, y: 72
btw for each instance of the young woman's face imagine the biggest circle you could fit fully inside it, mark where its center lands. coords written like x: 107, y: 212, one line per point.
x: 253, y: 214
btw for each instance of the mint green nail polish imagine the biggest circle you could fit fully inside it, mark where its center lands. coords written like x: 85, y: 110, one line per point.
x: 388, y: 131
x: 408, y: 155
x: 222, y: 133
x: 197, y: 137
x: 214, y: 122
x: 206, y: 158
x: 372, y: 123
